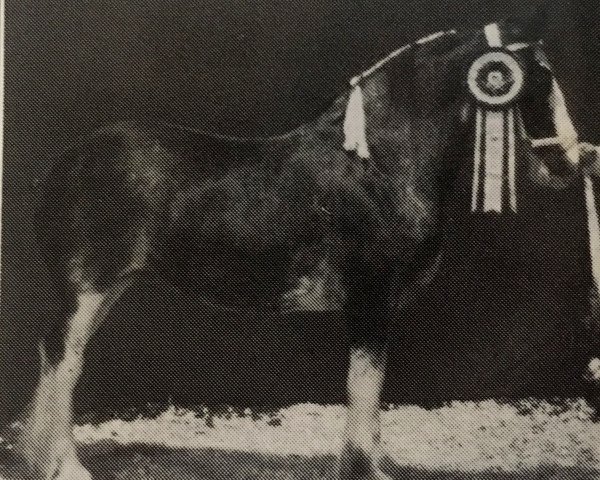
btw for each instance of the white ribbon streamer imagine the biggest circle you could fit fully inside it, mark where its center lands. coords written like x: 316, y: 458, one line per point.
x: 355, y: 125
x: 494, y: 155
x: 494, y: 126
x: 512, y: 160
x: 494, y: 160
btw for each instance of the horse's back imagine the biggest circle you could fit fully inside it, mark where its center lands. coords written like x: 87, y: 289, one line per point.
x: 201, y: 208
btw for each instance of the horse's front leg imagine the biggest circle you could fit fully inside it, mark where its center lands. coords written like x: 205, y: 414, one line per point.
x: 368, y: 354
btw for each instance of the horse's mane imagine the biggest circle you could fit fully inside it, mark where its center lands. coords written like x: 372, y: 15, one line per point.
x: 324, y: 111
x: 405, y: 48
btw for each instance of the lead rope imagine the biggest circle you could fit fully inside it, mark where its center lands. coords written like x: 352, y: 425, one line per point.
x: 593, y: 224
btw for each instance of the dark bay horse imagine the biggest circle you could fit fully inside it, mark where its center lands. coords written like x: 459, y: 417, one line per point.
x: 293, y: 222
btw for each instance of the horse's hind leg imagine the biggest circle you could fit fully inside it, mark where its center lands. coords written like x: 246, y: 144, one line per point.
x: 46, y: 443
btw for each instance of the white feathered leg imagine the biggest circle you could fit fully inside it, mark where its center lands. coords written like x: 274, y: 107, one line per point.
x: 46, y: 443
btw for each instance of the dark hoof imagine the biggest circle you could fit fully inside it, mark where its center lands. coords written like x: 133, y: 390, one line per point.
x: 356, y: 464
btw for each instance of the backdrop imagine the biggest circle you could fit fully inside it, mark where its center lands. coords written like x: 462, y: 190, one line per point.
x: 497, y: 321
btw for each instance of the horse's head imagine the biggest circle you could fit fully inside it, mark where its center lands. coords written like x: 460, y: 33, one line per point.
x: 487, y: 95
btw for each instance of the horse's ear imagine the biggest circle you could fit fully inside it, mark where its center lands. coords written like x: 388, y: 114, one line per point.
x: 531, y: 24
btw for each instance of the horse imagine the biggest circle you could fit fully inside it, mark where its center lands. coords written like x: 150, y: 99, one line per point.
x: 344, y: 212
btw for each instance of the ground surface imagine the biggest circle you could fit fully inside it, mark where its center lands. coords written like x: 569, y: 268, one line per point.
x: 462, y: 440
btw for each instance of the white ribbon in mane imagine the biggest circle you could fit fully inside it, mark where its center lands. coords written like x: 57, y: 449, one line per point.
x: 355, y: 122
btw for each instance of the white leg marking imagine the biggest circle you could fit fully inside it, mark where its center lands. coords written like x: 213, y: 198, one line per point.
x: 47, y: 443
x: 365, y: 381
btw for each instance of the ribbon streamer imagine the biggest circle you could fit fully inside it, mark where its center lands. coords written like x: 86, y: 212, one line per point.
x: 355, y: 125
x: 494, y: 160
x: 494, y: 154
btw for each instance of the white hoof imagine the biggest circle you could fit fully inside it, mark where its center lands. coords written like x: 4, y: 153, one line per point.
x: 70, y: 469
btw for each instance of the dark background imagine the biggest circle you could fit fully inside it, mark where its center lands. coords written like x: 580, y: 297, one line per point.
x: 498, y: 321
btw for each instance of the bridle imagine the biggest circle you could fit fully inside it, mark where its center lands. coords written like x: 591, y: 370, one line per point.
x: 498, y: 120
x: 566, y: 136
x: 495, y: 81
